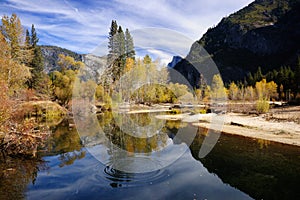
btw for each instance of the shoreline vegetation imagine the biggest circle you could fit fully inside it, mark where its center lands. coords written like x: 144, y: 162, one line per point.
x: 28, y: 130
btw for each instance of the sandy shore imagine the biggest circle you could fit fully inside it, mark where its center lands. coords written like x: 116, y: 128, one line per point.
x: 260, y: 128
x: 279, y: 125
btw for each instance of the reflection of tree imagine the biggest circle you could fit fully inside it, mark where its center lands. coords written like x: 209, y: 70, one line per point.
x: 69, y: 157
x: 127, y: 137
x: 16, y: 174
x: 67, y: 143
x: 63, y: 140
x: 263, y: 173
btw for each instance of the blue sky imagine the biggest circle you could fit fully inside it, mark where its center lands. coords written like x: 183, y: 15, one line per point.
x: 82, y: 25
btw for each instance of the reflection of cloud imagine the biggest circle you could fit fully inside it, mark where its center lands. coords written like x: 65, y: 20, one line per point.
x: 82, y: 25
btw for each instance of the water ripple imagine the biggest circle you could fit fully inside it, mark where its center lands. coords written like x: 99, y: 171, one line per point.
x: 117, y: 178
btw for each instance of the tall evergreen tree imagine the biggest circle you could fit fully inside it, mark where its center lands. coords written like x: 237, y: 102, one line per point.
x: 27, y: 38
x: 258, y: 76
x: 34, y: 39
x: 112, y: 42
x: 121, y: 53
x: 120, y: 47
x: 37, y: 63
x: 129, y: 45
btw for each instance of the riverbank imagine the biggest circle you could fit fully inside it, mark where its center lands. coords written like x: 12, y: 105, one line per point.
x: 283, y: 128
x: 258, y: 128
x: 27, y: 128
x: 278, y: 125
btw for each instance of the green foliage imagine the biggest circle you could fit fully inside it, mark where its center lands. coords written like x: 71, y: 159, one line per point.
x: 258, y: 14
x: 120, y: 48
x: 38, y: 80
x: 62, y: 84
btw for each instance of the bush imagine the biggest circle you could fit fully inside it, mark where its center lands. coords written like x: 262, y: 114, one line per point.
x: 262, y: 106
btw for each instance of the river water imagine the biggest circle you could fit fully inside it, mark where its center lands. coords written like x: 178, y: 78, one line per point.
x: 75, y: 166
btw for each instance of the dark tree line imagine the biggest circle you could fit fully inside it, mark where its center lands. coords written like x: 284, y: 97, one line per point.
x: 287, y: 79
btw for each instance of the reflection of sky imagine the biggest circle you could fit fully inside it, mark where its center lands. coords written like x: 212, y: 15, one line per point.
x: 82, y: 25
x: 185, y: 178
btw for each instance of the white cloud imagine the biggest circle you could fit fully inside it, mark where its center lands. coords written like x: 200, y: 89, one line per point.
x: 82, y: 25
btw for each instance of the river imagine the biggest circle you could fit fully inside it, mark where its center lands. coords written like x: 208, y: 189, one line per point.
x: 112, y: 164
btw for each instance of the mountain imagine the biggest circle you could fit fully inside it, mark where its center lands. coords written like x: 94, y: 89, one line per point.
x: 175, y: 60
x: 265, y: 34
x: 50, y: 55
x: 94, y: 65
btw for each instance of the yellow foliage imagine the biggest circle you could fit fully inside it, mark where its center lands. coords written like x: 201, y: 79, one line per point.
x: 218, y: 91
x: 129, y: 64
x: 233, y: 91
x: 266, y: 90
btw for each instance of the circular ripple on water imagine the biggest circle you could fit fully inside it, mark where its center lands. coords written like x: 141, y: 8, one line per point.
x: 117, y: 178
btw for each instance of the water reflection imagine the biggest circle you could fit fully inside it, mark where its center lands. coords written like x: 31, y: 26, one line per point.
x: 16, y: 173
x: 236, y: 166
x: 66, y: 143
x: 262, y: 169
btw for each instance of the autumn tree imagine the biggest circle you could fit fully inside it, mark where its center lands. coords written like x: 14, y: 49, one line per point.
x: 13, y: 32
x: 233, y: 91
x: 62, y: 82
x: 218, y: 91
x: 13, y: 71
x: 266, y: 90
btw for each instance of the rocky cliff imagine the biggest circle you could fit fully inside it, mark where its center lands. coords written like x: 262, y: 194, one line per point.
x: 50, y: 55
x: 266, y: 33
x: 94, y: 65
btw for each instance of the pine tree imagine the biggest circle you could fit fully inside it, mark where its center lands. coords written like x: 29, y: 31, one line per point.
x: 112, y: 43
x: 37, y: 64
x: 250, y: 79
x: 130, y: 52
x: 121, y: 52
x: 120, y: 47
x: 258, y: 76
x: 27, y: 38
x: 34, y: 39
